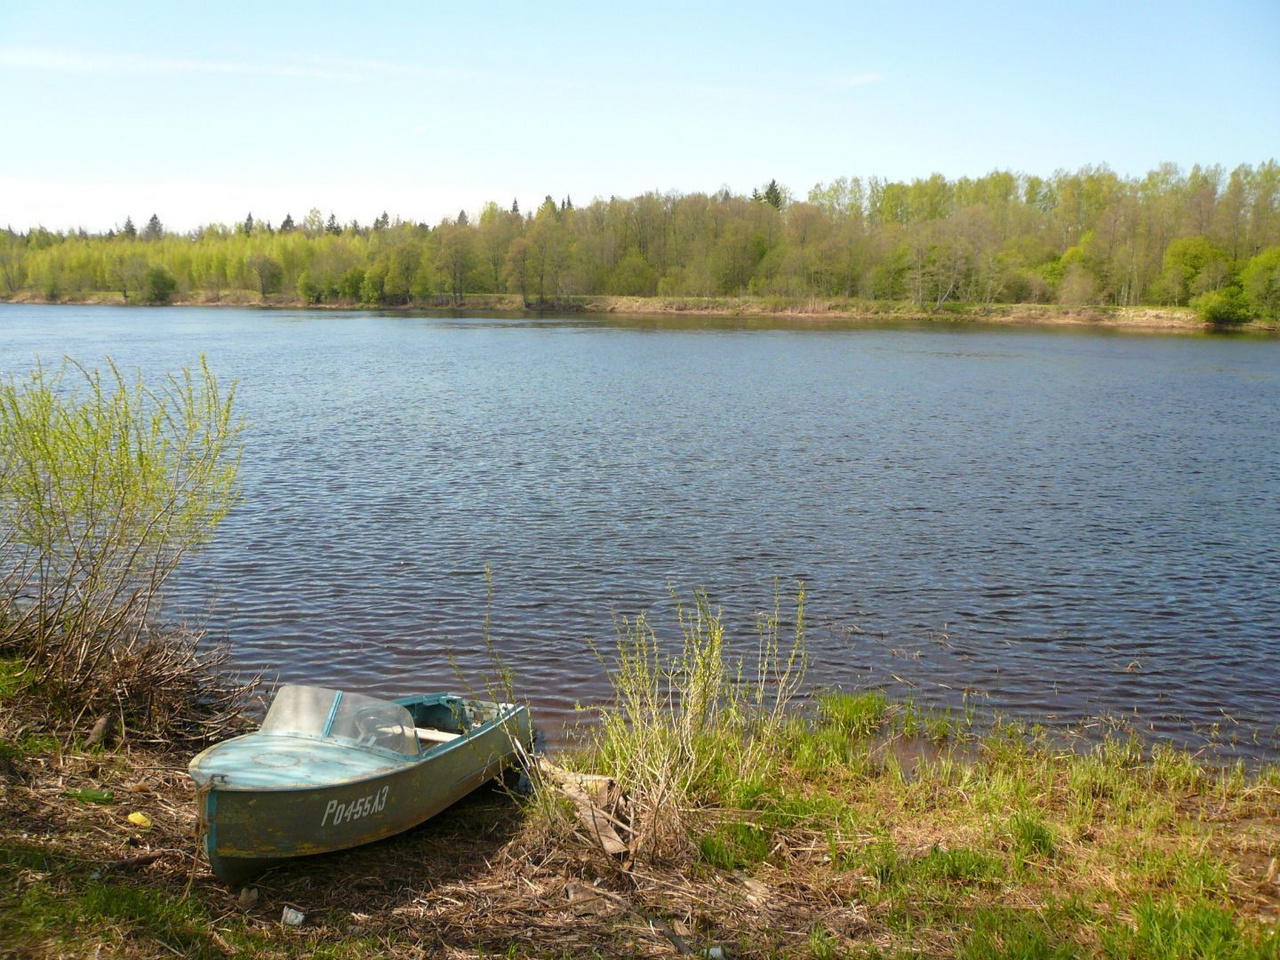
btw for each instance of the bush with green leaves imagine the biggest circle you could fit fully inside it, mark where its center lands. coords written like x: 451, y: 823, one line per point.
x: 105, y: 485
x: 160, y: 285
x: 1260, y: 279
x: 1225, y: 307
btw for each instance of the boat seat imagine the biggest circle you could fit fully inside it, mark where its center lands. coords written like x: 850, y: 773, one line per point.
x: 424, y: 734
x: 427, y: 735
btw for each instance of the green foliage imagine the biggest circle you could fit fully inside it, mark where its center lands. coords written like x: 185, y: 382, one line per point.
x: 269, y: 272
x: 13, y: 677
x: 134, y: 917
x: 1083, y: 238
x: 1009, y: 935
x: 1225, y: 307
x: 159, y: 285
x: 1032, y: 838
x: 1167, y: 930
x: 858, y: 716
x: 732, y: 846
x: 1260, y: 279
x: 308, y: 289
x: 105, y: 485
x: 686, y: 725
x: 1192, y: 265
x: 958, y: 865
x: 823, y: 946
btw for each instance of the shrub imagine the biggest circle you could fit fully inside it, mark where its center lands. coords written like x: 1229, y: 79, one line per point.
x: 1260, y: 279
x: 105, y: 484
x: 1222, y: 307
x: 159, y: 285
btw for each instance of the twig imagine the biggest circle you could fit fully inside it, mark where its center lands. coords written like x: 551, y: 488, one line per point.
x: 140, y: 860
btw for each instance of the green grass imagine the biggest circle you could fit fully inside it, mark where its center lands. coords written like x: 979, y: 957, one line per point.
x: 1015, y: 935
x: 732, y: 846
x: 53, y: 905
x: 1031, y: 837
x: 1169, y: 930
x: 13, y: 677
x: 73, y: 905
x: 858, y: 717
x: 1004, y: 843
x: 854, y: 826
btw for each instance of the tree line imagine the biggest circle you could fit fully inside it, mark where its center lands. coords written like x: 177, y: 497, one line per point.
x: 1207, y: 237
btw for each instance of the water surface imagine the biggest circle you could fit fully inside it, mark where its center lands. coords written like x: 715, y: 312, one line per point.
x: 1059, y: 523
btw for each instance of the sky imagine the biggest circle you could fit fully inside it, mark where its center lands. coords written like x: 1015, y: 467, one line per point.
x: 205, y: 112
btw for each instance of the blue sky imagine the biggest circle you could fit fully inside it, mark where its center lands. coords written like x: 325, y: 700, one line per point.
x: 202, y: 112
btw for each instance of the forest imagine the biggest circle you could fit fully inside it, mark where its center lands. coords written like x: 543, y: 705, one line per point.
x: 1207, y: 238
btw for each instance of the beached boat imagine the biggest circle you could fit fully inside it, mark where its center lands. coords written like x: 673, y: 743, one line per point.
x: 329, y: 770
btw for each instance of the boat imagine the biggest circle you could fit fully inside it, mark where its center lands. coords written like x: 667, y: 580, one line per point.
x: 330, y: 770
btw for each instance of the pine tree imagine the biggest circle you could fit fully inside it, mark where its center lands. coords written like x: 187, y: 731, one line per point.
x: 286, y: 225
x: 154, y: 229
x: 129, y: 230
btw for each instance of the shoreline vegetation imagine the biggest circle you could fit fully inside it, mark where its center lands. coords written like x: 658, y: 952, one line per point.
x: 707, y: 815
x: 1089, y: 241
x: 1152, y: 319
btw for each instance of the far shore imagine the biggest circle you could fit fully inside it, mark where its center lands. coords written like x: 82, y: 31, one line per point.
x: 1166, y: 319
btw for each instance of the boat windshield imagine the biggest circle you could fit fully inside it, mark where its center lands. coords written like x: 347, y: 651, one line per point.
x: 349, y: 717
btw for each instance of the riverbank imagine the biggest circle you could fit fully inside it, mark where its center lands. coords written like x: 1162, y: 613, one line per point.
x: 871, y: 832
x: 1155, y: 319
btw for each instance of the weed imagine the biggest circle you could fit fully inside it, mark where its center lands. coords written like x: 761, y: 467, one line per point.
x: 13, y: 677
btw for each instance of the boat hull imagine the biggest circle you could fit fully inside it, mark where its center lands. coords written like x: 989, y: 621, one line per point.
x: 246, y: 830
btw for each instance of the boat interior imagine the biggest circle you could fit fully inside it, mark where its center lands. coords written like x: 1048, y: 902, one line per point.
x: 439, y: 721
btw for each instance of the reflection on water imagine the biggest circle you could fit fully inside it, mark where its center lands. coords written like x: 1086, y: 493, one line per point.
x: 1059, y: 524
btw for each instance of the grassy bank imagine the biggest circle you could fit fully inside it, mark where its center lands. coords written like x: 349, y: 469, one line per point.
x: 859, y: 828
x: 1171, y: 319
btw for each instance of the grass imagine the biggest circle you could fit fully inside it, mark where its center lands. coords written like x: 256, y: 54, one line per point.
x: 848, y: 826
x: 959, y: 841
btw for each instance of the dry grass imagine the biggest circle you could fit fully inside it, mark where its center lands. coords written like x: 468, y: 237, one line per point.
x: 868, y: 862
x: 847, y: 837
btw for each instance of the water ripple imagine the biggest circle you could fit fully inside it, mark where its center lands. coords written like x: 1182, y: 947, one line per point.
x: 1061, y: 525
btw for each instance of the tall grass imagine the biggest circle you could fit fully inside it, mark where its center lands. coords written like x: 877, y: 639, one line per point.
x: 685, y: 722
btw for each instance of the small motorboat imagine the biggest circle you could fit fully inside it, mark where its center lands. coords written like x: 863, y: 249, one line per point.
x: 330, y: 770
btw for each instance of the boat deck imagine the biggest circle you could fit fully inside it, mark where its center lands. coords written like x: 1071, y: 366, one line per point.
x: 258, y: 762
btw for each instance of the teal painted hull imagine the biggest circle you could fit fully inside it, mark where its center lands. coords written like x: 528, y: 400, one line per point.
x: 264, y: 799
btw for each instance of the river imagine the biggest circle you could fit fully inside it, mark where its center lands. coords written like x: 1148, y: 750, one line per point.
x: 1051, y: 524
